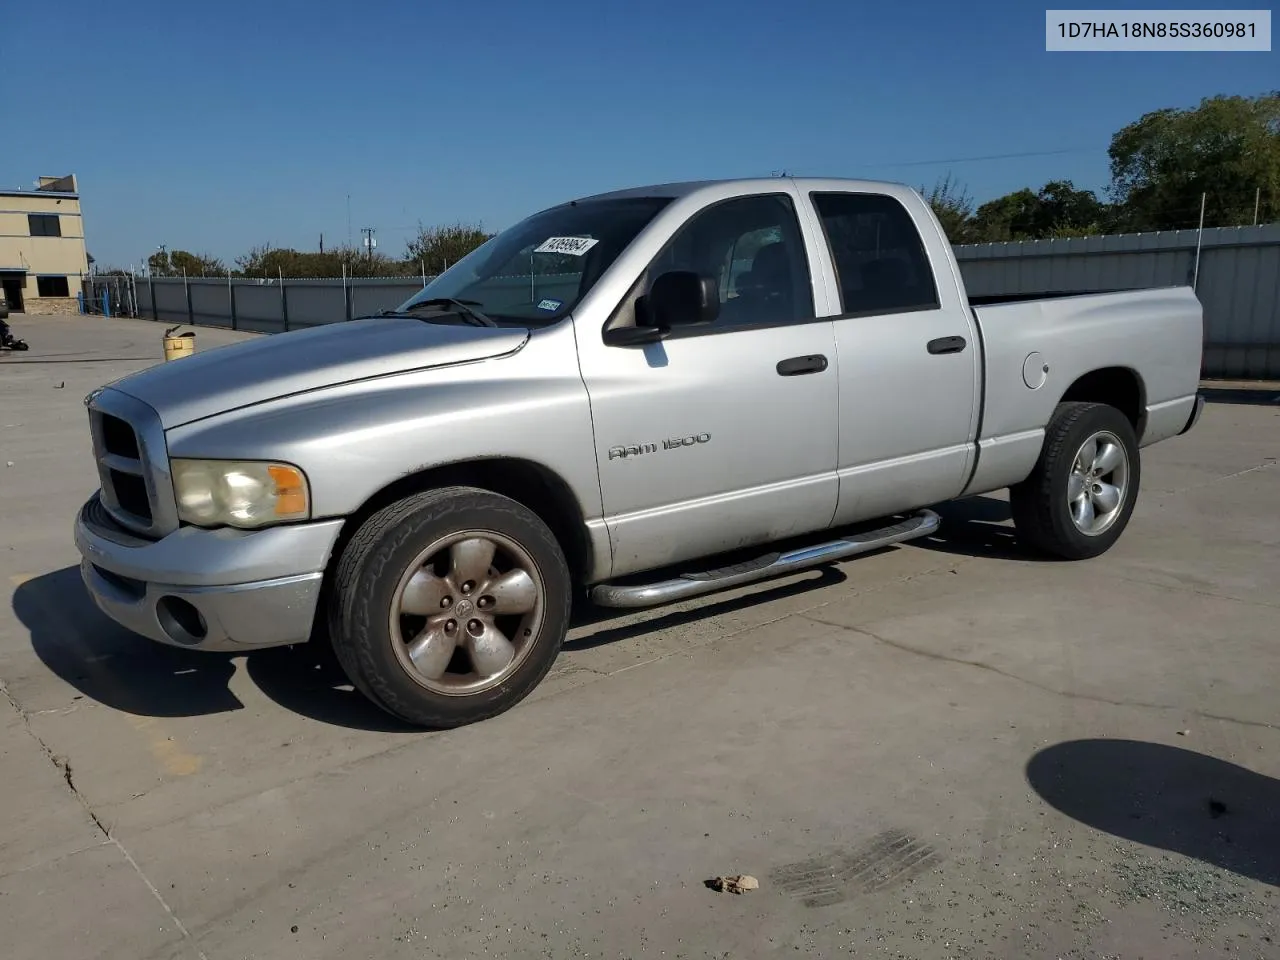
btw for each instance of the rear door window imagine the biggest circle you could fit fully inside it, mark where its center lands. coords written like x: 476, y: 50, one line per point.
x: 880, y: 261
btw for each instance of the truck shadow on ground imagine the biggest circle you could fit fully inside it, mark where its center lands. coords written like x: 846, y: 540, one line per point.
x: 112, y: 666
x: 977, y: 527
x: 652, y: 619
x: 1169, y: 798
x: 121, y: 670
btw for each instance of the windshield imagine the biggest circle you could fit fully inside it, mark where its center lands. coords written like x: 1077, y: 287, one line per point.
x: 536, y: 271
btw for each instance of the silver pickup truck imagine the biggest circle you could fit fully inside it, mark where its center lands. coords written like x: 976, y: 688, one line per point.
x: 619, y: 398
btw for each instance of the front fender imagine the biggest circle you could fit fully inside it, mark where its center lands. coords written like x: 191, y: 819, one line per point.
x: 355, y: 439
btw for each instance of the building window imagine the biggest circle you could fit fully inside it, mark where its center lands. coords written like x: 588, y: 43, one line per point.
x: 52, y: 287
x: 44, y: 224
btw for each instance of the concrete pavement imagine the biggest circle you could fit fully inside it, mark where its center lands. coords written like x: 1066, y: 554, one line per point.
x: 942, y: 750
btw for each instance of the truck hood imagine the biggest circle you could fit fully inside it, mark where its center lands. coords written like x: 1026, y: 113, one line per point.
x: 270, y: 367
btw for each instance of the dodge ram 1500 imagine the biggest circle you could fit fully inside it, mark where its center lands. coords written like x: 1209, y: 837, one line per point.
x: 614, y: 399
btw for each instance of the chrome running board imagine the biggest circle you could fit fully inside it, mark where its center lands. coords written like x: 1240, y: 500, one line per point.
x: 763, y: 568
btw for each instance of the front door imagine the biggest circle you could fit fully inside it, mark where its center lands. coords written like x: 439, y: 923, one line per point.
x: 11, y: 284
x: 721, y: 437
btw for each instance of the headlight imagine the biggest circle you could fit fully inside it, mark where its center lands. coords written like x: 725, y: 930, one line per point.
x: 239, y: 493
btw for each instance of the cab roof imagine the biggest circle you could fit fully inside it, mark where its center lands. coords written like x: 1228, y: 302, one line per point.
x: 752, y: 185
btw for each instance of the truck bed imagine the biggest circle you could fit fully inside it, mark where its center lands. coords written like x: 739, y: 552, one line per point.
x: 994, y: 298
x: 1036, y: 346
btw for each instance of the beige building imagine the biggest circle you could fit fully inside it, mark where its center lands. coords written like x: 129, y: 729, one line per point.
x: 42, y: 252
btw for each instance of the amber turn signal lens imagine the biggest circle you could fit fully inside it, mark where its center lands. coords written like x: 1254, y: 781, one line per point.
x: 291, y: 490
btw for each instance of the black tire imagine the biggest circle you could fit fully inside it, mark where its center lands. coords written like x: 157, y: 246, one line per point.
x: 365, y: 585
x: 1040, y: 505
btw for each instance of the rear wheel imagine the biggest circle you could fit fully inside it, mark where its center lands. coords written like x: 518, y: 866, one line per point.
x: 450, y: 606
x: 1081, y: 494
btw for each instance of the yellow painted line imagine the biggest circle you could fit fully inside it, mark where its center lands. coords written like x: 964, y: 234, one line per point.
x: 164, y: 749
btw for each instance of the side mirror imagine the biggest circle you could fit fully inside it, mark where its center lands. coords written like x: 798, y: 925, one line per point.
x: 681, y: 298
x: 634, y: 336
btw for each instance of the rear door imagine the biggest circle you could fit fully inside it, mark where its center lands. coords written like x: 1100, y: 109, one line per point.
x: 909, y: 360
x: 724, y: 436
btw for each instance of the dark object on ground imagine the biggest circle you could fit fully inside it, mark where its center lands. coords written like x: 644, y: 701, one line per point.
x: 737, y: 884
x: 7, y: 340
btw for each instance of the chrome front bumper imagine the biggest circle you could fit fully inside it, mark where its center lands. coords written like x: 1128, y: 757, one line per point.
x: 207, y: 589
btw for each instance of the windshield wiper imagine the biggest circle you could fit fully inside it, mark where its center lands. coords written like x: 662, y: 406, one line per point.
x: 465, y: 308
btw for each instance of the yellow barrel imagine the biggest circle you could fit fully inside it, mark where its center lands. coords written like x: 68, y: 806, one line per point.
x: 180, y: 346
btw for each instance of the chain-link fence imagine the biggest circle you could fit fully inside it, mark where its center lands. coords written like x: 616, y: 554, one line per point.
x: 112, y: 296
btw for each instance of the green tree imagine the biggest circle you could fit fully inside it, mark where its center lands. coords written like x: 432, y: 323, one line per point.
x: 1227, y: 148
x: 1067, y: 212
x: 1058, y: 209
x: 1011, y: 217
x: 437, y: 248
x: 174, y: 263
x: 953, y: 207
x: 270, y: 262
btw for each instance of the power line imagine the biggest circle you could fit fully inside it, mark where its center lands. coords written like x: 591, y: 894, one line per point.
x: 992, y: 156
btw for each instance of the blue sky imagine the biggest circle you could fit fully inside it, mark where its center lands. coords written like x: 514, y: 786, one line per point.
x: 216, y: 127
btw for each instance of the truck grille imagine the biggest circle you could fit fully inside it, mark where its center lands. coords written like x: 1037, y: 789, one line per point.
x: 118, y: 437
x: 133, y: 466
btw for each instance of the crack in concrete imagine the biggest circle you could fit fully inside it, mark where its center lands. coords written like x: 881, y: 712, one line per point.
x: 44, y: 864
x: 1265, y: 465
x: 1067, y: 694
x: 1182, y: 588
x: 63, y: 766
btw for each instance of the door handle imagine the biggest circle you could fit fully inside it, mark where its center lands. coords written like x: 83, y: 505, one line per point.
x: 946, y: 345
x: 794, y: 366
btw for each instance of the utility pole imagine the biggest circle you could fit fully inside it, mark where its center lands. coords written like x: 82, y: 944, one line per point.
x: 1195, y: 276
x: 322, y: 243
x: 369, y: 242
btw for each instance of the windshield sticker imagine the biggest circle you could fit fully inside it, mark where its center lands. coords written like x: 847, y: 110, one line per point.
x: 552, y: 305
x: 574, y: 246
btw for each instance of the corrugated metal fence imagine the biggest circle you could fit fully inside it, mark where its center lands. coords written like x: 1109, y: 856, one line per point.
x: 1238, y: 283
x: 268, y: 306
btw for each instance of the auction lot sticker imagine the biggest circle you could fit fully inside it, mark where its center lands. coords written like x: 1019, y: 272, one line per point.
x: 1209, y: 31
x: 575, y: 246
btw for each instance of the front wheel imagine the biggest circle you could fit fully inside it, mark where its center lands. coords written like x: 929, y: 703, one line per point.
x: 450, y: 606
x: 1081, y: 494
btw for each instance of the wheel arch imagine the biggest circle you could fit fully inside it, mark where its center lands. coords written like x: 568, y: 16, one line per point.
x: 1119, y: 387
x: 532, y: 484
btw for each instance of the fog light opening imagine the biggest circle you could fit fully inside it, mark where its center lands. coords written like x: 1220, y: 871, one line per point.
x: 181, y: 621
